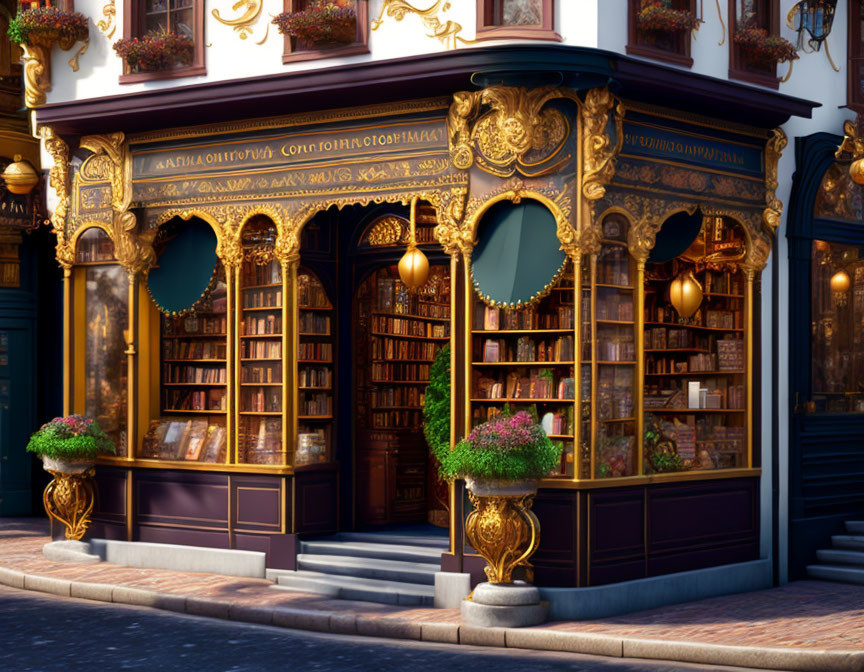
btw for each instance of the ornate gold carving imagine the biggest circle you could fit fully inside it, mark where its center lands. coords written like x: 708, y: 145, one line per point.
x: 852, y: 146
x: 37, y: 77
x: 514, y: 129
x: 112, y: 162
x: 505, y: 532
x: 389, y: 230
x: 73, y: 62
x: 449, y: 231
x: 598, y: 151
x: 108, y: 25
x: 58, y: 180
x: 774, y: 206
x: 758, y: 247
x: 447, y: 32
x: 243, y: 24
x: 69, y: 499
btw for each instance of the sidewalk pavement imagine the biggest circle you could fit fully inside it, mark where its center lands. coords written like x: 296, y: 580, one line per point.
x: 809, y: 626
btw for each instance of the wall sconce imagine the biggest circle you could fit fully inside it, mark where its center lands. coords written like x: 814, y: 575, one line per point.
x: 19, y: 176
x: 413, y: 266
x: 840, y: 283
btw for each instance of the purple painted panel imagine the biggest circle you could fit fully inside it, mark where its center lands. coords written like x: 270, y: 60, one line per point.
x: 184, y: 537
x: 316, y: 500
x: 182, y: 497
x: 602, y: 574
x: 555, y: 562
x: 103, y: 530
x: 257, y: 507
x: 110, y: 494
x: 699, y: 559
x: 617, y: 522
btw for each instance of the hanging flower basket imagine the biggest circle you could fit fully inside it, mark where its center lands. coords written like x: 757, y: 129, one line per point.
x: 156, y: 51
x: 763, y: 47
x: 47, y: 26
x: 659, y: 15
x: 321, y: 23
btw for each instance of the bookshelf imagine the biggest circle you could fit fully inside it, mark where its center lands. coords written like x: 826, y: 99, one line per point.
x: 315, y: 371
x: 398, y: 335
x: 193, y: 383
x: 260, y: 350
x: 695, y: 385
x: 524, y: 359
x: 613, y: 352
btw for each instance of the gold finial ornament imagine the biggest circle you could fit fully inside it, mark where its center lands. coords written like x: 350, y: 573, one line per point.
x: 19, y: 176
x: 685, y: 293
x: 856, y: 171
x: 413, y: 266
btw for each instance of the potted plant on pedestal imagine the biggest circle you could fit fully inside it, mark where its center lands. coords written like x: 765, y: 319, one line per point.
x: 321, y: 23
x: 68, y: 448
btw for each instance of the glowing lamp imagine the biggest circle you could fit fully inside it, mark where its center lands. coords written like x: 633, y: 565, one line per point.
x: 840, y: 283
x: 19, y: 176
x: 856, y: 171
x: 413, y: 266
x: 685, y: 293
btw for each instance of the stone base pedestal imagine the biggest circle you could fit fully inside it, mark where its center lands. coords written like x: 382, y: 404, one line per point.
x: 70, y: 551
x: 512, y: 605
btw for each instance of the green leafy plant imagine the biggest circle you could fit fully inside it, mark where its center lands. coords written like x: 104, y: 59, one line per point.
x: 661, y: 453
x: 506, y: 448
x: 436, y: 406
x: 47, y: 26
x: 321, y: 22
x: 661, y: 16
x: 155, y: 51
x: 73, y: 437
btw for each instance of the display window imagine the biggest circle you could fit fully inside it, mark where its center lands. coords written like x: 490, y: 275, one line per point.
x: 526, y: 19
x: 661, y: 31
x: 342, y: 38
x: 752, y: 16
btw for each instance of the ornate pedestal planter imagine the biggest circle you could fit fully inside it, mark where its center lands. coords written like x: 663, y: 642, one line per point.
x: 69, y: 497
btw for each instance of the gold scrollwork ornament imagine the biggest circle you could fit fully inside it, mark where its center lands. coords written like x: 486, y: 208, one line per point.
x: 37, y: 77
x: 58, y: 180
x: 446, y: 31
x: 69, y: 499
x: 597, y: 147
x: 505, y: 532
x: 773, y: 206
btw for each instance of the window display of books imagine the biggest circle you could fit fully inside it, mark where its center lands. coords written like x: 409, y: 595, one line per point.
x: 94, y: 247
x: 185, y: 440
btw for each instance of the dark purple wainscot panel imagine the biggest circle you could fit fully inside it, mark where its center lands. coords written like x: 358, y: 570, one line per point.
x: 316, y: 498
x: 109, y: 511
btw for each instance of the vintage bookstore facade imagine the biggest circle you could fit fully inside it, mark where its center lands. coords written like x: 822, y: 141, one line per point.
x: 233, y: 317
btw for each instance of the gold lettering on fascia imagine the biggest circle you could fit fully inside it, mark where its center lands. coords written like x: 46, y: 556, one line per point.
x: 320, y: 148
x: 684, y: 149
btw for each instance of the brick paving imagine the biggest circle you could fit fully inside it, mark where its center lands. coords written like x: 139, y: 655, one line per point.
x: 805, y: 615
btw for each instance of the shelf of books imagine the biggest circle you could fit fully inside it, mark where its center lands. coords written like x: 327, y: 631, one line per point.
x: 259, y: 379
x: 398, y: 335
x: 695, y: 368
x: 614, y: 354
x: 315, y: 371
x: 194, y: 384
x: 524, y: 359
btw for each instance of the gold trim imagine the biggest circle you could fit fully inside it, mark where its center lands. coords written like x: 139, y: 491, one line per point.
x: 299, y: 119
x: 143, y: 463
x: 639, y: 374
x: 444, y: 32
x: 625, y: 481
x: 242, y: 24
x: 130, y: 509
x: 685, y: 166
x: 695, y: 119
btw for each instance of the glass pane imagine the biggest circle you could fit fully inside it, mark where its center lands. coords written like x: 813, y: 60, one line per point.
x: 519, y: 13
x: 182, y: 23
x: 94, y: 246
x: 157, y: 23
x: 838, y: 196
x: 837, y: 291
x: 105, y: 369
x: 695, y: 378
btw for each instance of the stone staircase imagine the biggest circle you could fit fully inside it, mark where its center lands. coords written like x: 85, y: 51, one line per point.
x: 844, y: 561
x: 371, y: 566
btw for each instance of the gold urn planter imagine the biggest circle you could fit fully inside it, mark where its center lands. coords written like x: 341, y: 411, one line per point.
x: 502, y: 528
x: 70, y: 496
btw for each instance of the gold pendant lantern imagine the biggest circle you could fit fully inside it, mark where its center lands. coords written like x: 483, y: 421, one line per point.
x: 840, y: 283
x: 856, y: 171
x: 19, y: 176
x: 685, y: 293
x: 413, y: 266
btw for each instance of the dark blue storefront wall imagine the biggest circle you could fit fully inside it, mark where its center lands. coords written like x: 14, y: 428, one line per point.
x: 826, y: 451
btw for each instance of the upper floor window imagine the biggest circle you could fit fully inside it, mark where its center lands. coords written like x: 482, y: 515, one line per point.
x: 855, y: 85
x: 660, y: 29
x: 528, y: 19
x: 752, y: 16
x: 154, y: 17
x: 321, y: 33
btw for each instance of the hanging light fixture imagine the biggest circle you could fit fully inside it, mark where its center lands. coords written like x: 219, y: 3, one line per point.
x: 19, y: 176
x: 840, y: 283
x: 685, y: 293
x: 413, y: 266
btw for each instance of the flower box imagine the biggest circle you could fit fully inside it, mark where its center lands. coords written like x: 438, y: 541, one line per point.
x: 763, y: 47
x: 47, y: 26
x: 659, y: 15
x: 155, y: 51
x: 322, y: 23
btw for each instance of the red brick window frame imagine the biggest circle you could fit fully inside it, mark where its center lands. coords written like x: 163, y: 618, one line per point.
x: 855, y: 83
x: 135, y: 24
x: 765, y: 14
x: 491, y: 26
x: 295, y: 50
x: 658, y: 45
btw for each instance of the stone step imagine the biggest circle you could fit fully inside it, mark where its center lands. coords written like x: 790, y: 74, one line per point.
x: 355, y: 588
x: 836, y: 573
x: 370, y: 568
x: 835, y: 556
x: 849, y: 541
x: 855, y: 526
x: 442, y: 542
x: 363, y: 549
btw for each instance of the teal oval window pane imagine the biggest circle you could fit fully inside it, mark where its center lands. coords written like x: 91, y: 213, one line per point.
x: 184, y: 267
x: 518, y: 255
